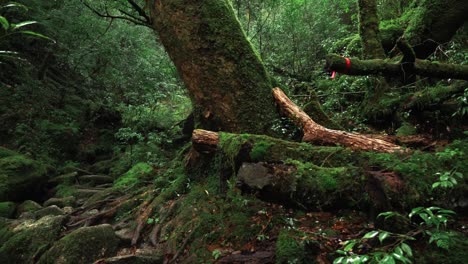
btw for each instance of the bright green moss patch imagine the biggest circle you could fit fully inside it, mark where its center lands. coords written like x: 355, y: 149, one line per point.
x: 260, y: 150
x: 135, y: 176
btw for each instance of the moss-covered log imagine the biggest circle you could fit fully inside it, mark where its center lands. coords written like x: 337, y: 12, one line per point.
x: 426, y: 68
x: 310, y: 176
x: 316, y: 133
x: 226, y: 79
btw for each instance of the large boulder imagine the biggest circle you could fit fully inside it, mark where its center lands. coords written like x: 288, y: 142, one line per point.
x: 84, y: 245
x: 23, y: 242
x: 21, y: 178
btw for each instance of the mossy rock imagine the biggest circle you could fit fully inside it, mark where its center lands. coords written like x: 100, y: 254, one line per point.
x: 28, y: 206
x: 134, y: 177
x: 7, y: 209
x: 61, y: 202
x: 51, y: 210
x: 27, y: 240
x: 20, y: 177
x: 84, y: 245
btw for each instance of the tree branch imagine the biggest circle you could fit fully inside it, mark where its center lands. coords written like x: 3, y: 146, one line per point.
x: 426, y: 68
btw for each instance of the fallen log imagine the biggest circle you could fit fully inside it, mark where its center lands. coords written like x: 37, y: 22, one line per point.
x: 318, y: 134
x: 334, y: 62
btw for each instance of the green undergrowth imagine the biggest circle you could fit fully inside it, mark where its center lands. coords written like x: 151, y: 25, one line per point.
x: 421, y: 169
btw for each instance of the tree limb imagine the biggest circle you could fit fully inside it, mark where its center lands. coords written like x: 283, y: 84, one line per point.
x: 426, y: 68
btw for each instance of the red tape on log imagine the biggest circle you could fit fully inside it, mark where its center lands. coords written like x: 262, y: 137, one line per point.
x: 348, y: 65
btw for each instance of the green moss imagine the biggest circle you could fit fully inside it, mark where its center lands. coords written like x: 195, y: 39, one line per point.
x: 20, y: 177
x: 30, y: 238
x: 7, y: 209
x: 64, y: 190
x: 406, y: 129
x: 134, y: 177
x: 260, y: 150
x: 288, y: 249
x: 84, y: 245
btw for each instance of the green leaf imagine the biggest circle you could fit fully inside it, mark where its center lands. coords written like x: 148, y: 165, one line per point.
x: 435, y: 185
x: 338, y: 260
x: 15, y: 4
x: 35, y: 34
x: 407, y: 249
x: 388, y: 259
x: 371, y: 234
x: 4, y: 22
x: 415, y: 211
x: 350, y: 246
x: 445, y: 211
x: 22, y: 24
x: 383, y: 235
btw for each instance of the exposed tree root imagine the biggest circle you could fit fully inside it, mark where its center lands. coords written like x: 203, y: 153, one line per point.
x: 154, y: 235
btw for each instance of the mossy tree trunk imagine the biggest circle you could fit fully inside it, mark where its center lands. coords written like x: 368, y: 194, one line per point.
x: 369, y: 30
x: 432, y: 23
x: 226, y: 79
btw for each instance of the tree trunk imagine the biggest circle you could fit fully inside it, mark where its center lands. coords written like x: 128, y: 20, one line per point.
x: 369, y: 30
x: 226, y: 79
x: 434, y: 22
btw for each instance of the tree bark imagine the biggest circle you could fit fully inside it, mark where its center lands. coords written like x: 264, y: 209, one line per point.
x: 316, y: 133
x: 378, y: 66
x: 225, y: 77
x: 369, y: 30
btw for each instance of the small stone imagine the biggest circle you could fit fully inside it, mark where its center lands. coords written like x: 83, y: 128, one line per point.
x: 68, y: 209
x: 125, y: 234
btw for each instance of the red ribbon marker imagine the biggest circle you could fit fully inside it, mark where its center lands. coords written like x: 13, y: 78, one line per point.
x: 333, y: 75
x: 348, y: 65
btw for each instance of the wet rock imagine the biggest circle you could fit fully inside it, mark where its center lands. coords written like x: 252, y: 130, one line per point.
x: 61, y: 202
x: 84, y: 245
x: 23, y: 242
x: 94, y: 180
x: 51, y: 210
x: 135, y: 259
x: 7, y: 209
x: 254, y: 175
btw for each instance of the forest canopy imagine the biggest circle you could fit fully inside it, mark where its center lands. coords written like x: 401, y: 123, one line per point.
x: 233, y: 131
